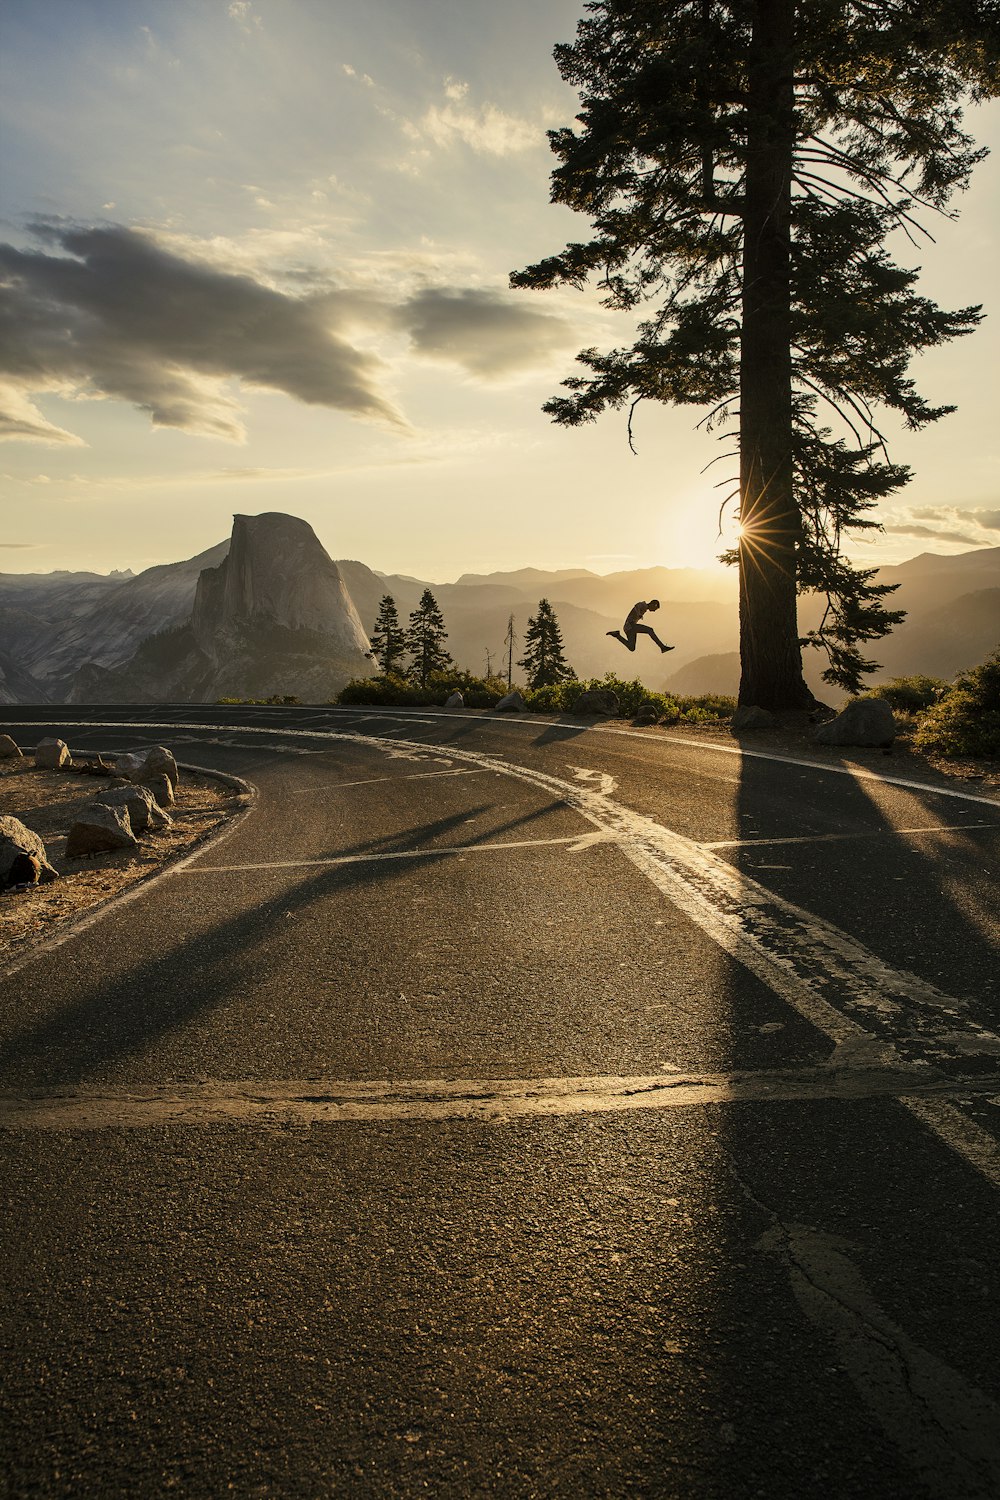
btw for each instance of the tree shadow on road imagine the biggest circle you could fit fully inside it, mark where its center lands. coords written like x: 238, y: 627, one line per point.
x: 130, y: 1011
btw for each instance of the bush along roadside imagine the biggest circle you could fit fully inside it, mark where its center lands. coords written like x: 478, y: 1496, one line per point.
x: 966, y: 721
x: 479, y: 692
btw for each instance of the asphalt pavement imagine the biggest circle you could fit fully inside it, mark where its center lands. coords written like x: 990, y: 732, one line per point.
x: 511, y: 1108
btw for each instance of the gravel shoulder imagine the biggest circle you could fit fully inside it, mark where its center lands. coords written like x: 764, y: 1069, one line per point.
x: 46, y: 802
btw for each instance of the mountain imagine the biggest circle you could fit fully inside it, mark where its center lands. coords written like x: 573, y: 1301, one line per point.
x: 17, y: 685
x: 274, y: 616
x: 269, y: 611
x: 108, y: 626
x: 527, y: 578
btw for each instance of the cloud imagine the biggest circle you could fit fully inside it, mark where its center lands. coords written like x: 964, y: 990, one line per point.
x: 242, y: 12
x: 119, y: 315
x: 939, y: 534
x: 978, y: 516
x: 20, y: 546
x: 484, y: 128
x: 487, y: 333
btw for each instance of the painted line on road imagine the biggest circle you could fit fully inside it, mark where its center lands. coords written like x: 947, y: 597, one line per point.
x: 800, y: 957
x: 857, y: 773
x: 374, y: 780
x: 73, y: 926
x: 313, y: 1101
x: 837, y: 838
x: 797, y: 955
x: 576, y: 843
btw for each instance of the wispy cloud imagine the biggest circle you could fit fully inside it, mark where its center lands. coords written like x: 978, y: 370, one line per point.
x: 937, y: 533
x: 118, y: 315
x: 989, y: 519
x: 20, y: 546
x: 243, y: 13
x: 454, y: 121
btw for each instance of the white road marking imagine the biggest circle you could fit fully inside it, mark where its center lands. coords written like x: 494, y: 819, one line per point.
x: 74, y: 926
x: 600, y: 780
x: 494, y: 1100
x: 575, y: 842
x: 372, y: 780
x: 537, y: 722
x: 835, y: 838
x: 795, y: 953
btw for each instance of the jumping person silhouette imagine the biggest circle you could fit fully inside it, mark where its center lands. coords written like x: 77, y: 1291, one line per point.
x: 632, y: 628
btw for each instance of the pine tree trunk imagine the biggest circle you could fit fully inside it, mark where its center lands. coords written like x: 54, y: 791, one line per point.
x: 770, y: 655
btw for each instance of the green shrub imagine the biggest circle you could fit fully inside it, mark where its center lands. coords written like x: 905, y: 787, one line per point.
x: 395, y: 691
x: 908, y: 695
x: 967, y: 719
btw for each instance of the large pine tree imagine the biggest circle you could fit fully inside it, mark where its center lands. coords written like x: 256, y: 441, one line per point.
x: 544, y: 660
x: 743, y: 165
x: 388, y: 642
x: 425, y: 639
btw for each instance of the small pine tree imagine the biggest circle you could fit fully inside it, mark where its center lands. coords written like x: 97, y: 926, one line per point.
x: 425, y: 640
x: 544, y: 660
x: 388, y: 639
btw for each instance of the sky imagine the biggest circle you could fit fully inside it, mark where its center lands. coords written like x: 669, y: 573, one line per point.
x: 257, y: 254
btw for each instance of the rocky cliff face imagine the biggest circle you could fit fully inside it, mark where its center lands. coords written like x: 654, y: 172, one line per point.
x: 273, y: 617
x: 276, y: 574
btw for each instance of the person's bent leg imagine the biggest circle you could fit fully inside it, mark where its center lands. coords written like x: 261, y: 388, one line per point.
x: 646, y: 630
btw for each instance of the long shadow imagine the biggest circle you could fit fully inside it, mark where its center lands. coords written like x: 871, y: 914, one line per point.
x: 565, y: 729
x: 128, y: 1014
x: 922, y: 902
x: 853, y: 1228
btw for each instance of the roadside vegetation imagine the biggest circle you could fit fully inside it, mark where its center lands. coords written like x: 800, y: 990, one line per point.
x: 550, y: 698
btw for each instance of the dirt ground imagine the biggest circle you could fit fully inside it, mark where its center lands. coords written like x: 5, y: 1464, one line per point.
x: 45, y: 801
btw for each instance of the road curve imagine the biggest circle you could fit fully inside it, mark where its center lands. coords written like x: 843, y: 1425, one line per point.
x: 512, y: 1107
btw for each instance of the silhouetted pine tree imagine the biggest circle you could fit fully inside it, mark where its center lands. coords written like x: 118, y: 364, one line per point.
x: 743, y: 164
x: 388, y: 640
x: 425, y: 639
x: 544, y: 661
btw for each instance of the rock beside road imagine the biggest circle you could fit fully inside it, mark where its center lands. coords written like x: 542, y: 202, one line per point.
x: 598, y: 701
x: 160, y: 787
x: 647, y: 713
x: 748, y: 717
x: 864, y: 722
x: 23, y: 860
x: 8, y: 749
x: 455, y: 701
x: 52, y: 755
x: 144, y: 765
x: 512, y: 703
x: 99, y: 829
x: 143, y: 810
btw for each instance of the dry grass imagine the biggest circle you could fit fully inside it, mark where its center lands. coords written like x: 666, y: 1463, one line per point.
x: 46, y: 801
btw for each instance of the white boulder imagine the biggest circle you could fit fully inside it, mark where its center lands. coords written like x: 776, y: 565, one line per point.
x: 8, y: 749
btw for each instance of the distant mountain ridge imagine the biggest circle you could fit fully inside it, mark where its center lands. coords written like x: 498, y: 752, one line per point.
x: 296, y: 621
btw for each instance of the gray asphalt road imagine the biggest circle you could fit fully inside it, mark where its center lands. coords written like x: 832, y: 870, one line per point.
x: 506, y: 1108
